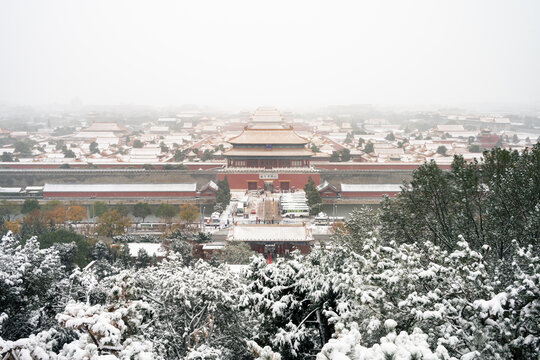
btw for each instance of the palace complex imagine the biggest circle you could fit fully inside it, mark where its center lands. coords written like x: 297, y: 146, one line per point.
x: 268, y: 154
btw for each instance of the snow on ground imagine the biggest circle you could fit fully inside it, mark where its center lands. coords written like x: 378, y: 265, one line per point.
x: 227, y: 214
x: 320, y: 230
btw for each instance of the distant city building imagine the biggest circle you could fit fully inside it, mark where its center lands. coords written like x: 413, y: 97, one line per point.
x: 106, y: 127
x: 167, y: 121
x: 266, y: 118
x: 159, y: 130
x: 488, y: 139
x: 495, y: 123
x: 19, y: 134
x: 4, y: 133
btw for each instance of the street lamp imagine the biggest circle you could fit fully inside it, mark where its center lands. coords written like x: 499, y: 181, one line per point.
x: 198, y: 197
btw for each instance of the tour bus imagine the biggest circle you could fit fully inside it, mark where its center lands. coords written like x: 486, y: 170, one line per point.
x: 152, y: 226
x: 293, y: 211
x: 295, y: 206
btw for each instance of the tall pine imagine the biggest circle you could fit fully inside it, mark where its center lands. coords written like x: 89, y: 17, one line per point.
x: 223, y: 195
x: 313, y: 196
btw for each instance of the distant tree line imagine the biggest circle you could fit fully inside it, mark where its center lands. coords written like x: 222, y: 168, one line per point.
x: 111, y: 220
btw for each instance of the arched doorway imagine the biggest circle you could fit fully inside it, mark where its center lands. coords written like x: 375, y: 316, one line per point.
x: 269, y: 186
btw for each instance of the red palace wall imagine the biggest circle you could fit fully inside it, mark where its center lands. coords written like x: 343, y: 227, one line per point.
x: 197, y: 166
x: 239, y: 181
x: 118, y: 194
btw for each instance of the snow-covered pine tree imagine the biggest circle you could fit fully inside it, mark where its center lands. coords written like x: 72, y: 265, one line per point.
x: 33, y: 284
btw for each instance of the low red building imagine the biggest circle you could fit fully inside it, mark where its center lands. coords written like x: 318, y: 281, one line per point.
x: 208, y: 190
x: 328, y: 191
x: 488, y: 139
x: 140, y: 191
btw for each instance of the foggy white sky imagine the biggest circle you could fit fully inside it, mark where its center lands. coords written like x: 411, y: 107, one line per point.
x: 284, y: 53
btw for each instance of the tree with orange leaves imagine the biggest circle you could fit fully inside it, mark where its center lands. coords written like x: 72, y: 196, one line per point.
x: 112, y: 223
x: 12, y: 226
x: 188, y: 213
x: 77, y: 213
x: 338, y: 228
x: 58, y: 215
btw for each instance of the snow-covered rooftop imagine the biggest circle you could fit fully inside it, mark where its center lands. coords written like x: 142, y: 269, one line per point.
x: 10, y: 190
x: 94, y: 188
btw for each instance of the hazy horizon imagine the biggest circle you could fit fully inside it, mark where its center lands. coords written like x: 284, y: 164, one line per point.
x: 242, y: 54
